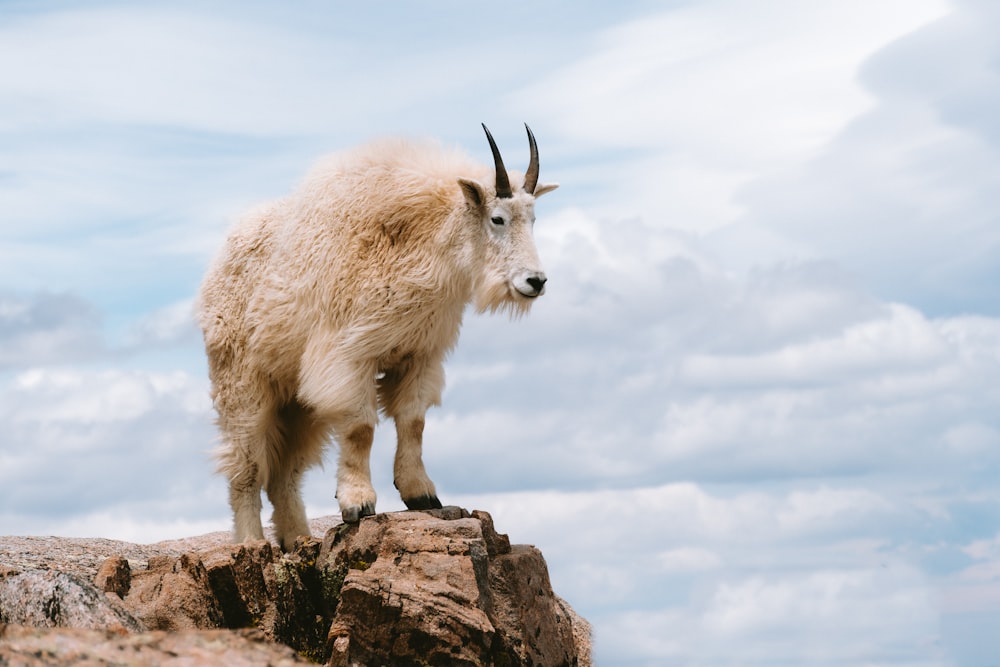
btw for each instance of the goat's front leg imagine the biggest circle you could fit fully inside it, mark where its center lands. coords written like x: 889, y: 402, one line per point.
x: 355, y: 492
x: 415, y: 486
x: 406, y: 392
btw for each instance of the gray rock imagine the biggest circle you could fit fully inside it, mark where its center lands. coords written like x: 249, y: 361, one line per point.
x: 48, y: 599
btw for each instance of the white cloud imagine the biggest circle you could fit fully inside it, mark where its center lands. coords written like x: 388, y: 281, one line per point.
x: 255, y: 72
x: 78, y: 443
x: 716, y: 94
x: 40, y: 396
x: 43, y: 330
x: 46, y: 328
x: 174, y: 323
x: 161, y: 66
x: 824, y: 507
x: 970, y: 438
x: 685, y: 514
x: 837, y: 616
x: 783, y: 69
x: 688, y: 559
x: 901, y: 340
x: 900, y: 196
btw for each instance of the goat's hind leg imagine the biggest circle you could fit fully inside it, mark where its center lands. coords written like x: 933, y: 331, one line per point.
x: 289, y: 516
x: 298, y: 443
x: 243, y: 473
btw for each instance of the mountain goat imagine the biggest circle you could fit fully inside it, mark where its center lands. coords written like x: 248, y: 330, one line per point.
x: 342, y: 300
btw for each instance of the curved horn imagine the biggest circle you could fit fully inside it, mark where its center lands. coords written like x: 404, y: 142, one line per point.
x: 531, y: 176
x: 503, y: 183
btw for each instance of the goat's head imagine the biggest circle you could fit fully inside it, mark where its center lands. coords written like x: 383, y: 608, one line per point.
x: 512, y: 273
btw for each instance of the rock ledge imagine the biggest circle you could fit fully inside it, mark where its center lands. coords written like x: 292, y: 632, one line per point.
x: 438, y: 587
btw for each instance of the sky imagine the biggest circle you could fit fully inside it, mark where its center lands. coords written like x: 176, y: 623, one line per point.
x: 754, y: 419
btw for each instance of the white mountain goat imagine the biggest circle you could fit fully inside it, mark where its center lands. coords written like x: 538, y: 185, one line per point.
x: 343, y: 299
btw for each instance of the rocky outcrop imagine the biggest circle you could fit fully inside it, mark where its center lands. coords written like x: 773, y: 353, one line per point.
x: 22, y: 646
x: 446, y: 588
x: 440, y: 587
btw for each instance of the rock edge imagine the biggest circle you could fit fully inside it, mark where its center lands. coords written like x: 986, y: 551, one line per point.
x: 422, y: 587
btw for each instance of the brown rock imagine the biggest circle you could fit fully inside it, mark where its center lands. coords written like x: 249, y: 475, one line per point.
x: 239, y: 585
x: 496, y: 543
x: 114, y: 576
x: 435, y: 587
x: 46, y: 647
x: 423, y: 588
x: 174, y: 594
x: 531, y: 622
x: 301, y: 604
x: 583, y: 634
x: 238, y: 577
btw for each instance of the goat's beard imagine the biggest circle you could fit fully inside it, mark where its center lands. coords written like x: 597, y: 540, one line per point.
x: 495, y: 294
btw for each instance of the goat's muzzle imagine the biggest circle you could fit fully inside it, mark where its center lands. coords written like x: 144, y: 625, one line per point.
x: 532, y: 285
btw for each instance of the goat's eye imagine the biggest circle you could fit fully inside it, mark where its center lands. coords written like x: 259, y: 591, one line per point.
x: 497, y: 220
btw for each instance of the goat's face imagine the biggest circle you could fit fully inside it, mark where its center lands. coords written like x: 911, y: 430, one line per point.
x: 512, y: 275
x: 511, y: 245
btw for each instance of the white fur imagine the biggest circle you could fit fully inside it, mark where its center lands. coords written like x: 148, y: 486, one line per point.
x: 342, y: 300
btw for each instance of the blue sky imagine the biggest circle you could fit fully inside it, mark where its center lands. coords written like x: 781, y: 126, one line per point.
x: 754, y: 421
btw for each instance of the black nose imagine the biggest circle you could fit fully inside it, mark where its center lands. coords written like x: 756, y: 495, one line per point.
x: 537, y: 282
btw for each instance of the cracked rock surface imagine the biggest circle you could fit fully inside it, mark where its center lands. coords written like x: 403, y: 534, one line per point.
x: 418, y: 587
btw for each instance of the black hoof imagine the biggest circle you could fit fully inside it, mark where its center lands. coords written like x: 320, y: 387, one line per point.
x: 355, y: 513
x: 423, y: 503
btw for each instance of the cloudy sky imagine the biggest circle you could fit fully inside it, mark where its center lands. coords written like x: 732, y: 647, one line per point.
x: 754, y: 421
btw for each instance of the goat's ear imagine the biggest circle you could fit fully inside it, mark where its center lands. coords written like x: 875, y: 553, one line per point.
x: 474, y: 193
x: 542, y: 188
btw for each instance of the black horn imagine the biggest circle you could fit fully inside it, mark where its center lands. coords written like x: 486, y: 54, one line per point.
x: 503, y: 183
x: 531, y: 176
